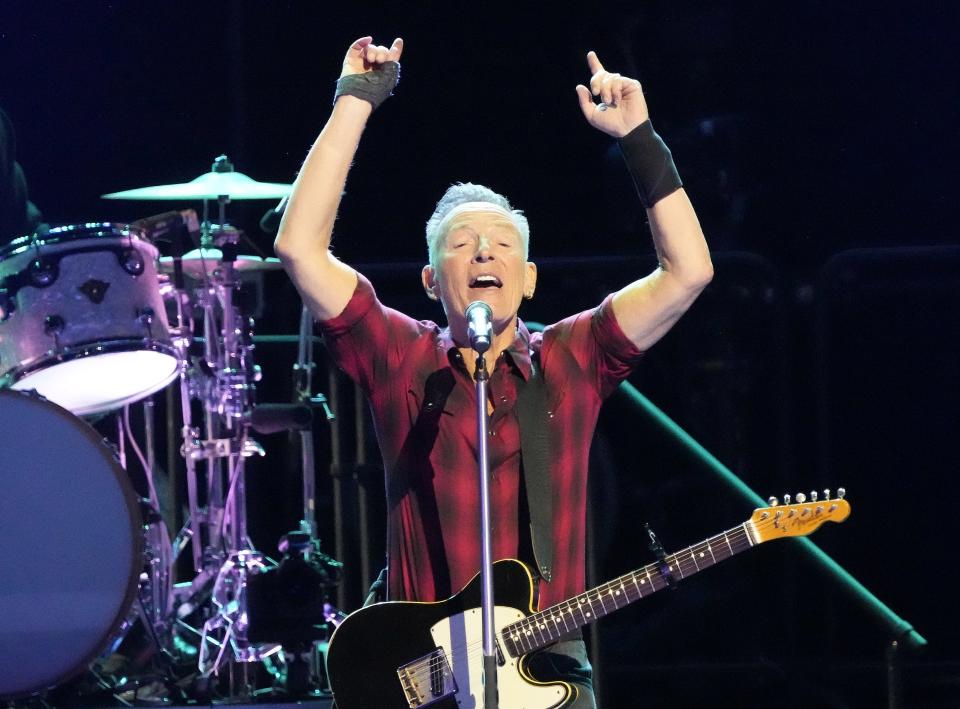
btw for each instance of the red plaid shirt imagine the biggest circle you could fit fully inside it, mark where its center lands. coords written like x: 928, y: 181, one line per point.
x: 422, y: 397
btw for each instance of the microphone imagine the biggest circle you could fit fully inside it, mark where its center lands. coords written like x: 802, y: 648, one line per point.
x: 270, y: 221
x: 479, y: 329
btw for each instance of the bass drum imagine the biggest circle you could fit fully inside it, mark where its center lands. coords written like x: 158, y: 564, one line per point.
x: 70, y: 544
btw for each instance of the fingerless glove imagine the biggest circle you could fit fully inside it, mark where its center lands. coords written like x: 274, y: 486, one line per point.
x: 372, y: 86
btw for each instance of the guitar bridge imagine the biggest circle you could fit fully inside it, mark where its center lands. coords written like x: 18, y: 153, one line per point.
x: 427, y: 679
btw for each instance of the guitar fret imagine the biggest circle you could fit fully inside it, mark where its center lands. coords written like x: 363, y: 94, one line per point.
x: 671, y: 565
x: 650, y: 580
x: 538, y: 628
x: 583, y: 600
x: 603, y: 606
x: 612, y: 592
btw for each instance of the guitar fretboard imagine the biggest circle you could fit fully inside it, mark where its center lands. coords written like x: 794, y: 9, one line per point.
x: 549, y: 625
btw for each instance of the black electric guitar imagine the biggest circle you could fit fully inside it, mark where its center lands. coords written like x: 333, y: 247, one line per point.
x: 399, y: 655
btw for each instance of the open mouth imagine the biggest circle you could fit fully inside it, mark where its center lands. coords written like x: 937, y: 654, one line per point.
x: 486, y: 281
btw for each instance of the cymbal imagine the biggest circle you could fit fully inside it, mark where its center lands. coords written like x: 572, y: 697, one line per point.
x: 212, y: 185
x: 196, y: 261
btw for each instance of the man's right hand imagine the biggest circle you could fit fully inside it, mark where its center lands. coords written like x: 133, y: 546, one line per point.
x: 364, y: 56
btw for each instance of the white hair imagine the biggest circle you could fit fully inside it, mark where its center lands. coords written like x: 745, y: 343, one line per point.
x: 460, y: 193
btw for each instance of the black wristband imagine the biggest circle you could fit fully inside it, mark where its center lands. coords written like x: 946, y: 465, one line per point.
x: 372, y: 86
x: 650, y: 164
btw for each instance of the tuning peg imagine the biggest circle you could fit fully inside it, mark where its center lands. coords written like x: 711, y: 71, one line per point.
x: 801, y: 498
x: 841, y: 492
x: 826, y: 493
x: 786, y: 499
x: 773, y: 501
x: 813, y: 496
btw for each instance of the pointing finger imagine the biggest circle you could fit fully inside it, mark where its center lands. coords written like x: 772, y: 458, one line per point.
x: 396, y: 49
x: 593, y: 62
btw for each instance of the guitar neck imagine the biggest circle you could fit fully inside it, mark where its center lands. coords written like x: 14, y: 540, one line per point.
x: 549, y: 625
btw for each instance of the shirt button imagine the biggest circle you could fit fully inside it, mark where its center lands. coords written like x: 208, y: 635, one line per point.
x: 550, y: 414
x: 503, y: 399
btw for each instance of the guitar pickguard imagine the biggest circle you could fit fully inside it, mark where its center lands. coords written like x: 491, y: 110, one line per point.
x: 460, y: 636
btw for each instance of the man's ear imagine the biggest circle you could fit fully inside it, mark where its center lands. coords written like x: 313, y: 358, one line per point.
x: 529, y: 280
x: 428, y: 276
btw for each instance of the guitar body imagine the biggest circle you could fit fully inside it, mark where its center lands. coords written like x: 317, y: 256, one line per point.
x: 373, y: 643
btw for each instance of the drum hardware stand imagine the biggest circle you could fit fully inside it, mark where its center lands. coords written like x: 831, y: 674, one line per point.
x: 307, y: 543
x: 303, y: 386
x: 154, y: 608
x: 222, y: 379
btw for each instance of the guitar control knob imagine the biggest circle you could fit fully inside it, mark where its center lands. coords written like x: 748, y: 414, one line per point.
x: 773, y: 501
x: 841, y: 492
x: 786, y: 499
x: 813, y: 495
x: 801, y: 498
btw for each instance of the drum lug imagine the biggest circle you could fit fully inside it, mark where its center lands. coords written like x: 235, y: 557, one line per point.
x: 53, y: 325
x: 145, y: 316
x: 131, y: 261
x: 43, y: 272
x: 7, y: 305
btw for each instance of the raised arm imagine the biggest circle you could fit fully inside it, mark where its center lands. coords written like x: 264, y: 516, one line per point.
x: 647, y: 308
x: 303, y: 242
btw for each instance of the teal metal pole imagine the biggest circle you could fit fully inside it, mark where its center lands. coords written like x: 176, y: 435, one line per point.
x: 901, y: 629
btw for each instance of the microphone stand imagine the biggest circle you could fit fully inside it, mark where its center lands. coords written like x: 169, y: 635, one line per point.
x: 481, y: 376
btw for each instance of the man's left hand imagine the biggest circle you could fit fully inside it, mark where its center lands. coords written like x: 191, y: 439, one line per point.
x: 622, y: 106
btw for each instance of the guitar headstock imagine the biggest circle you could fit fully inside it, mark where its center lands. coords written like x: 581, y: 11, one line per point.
x: 799, y: 519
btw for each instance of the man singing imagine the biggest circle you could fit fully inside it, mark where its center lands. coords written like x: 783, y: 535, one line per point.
x: 417, y: 376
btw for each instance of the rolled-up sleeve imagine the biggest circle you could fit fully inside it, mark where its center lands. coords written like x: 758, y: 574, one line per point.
x: 617, y: 355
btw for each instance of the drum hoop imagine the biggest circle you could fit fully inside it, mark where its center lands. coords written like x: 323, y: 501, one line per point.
x: 136, y: 524
x: 72, y: 232
x: 87, y: 349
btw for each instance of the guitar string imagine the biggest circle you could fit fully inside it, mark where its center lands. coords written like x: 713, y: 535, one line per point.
x: 688, y: 564
x: 423, y: 669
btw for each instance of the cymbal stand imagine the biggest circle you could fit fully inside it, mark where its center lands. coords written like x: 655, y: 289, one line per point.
x: 303, y: 386
x: 227, y: 397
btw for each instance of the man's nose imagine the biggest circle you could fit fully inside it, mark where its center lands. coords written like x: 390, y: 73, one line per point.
x: 483, y: 252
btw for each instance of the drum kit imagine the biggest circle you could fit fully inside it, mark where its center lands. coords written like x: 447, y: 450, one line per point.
x: 93, y: 320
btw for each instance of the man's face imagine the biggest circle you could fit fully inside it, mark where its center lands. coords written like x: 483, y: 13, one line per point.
x: 481, y: 258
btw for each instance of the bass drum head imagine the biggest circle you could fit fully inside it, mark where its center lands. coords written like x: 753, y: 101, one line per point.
x: 70, y: 545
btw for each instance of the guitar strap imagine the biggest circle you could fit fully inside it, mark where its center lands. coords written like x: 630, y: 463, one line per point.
x: 533, y: 417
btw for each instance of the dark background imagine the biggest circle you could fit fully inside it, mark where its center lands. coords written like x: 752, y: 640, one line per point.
x: 817, y: 142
